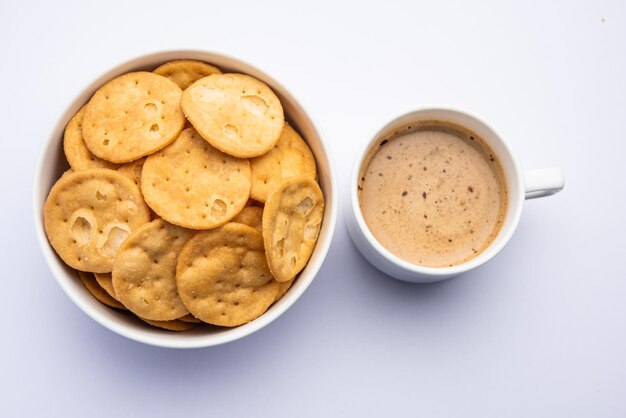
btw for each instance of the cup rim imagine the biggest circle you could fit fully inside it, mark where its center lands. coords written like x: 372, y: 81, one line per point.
x: 162, y: 338
x: 438, y: 273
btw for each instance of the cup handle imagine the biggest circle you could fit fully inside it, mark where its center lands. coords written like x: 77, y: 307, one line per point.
x: 543, y: 182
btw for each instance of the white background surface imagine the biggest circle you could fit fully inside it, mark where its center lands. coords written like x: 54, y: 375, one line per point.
x: 539, y: 331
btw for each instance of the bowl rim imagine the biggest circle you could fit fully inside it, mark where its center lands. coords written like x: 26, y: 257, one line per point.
x: 162, y: 338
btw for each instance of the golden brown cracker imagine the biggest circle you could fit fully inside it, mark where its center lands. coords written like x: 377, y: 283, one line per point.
x: 132, y: 116
x: 251, y: 216
x: 89, y: 281
x: 290, y: 157
x: 78, y: 155
x: 235, y: 113
x: 174, y: 325
x: 89, y: 213
x: 191, y: 184
x: 291, y: 223
x: 132, y: 170
x: 106, y: 282
x: 185, y: 72
x: 222, y: 275
x: 144, y: 271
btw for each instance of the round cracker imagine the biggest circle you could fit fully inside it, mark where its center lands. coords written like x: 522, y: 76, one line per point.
x: 191, y: 184
x: 222, y: 275
x: 174, y: 325
x: 251, y: 216
x: 291, y: 223
x: 89, y: 213
x: 290, y: 157
x: 76, y: 152
x: 106, y: 282
x: 89, y: 281
x: 131, y: 116
x: 185, y: 72
x: 145, y: 268
x: 236, y: 113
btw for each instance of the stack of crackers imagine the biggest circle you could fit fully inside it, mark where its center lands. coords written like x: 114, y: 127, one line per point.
x: 189, y: 199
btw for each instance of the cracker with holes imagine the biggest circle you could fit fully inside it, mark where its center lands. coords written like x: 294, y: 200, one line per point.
x: 251, y: 216
x: 145, y: 268
x: 236, y: 113
x: 291, y: 223
x: 89, y: 213
x: 185, y: 72
x: 106, y: 282
x: 89, y: 281
x: 222, y: 275
x: 290, y: 157
x: 132, y: 116
x: 76, y: 152
x: 191, y: 184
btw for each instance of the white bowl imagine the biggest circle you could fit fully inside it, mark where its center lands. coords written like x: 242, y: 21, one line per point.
x: 52, y: 163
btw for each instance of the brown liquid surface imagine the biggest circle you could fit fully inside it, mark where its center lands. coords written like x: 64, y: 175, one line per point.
x: 434, y: 195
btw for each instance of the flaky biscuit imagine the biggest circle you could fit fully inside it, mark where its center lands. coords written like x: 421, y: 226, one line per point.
x: 235, y: 113
x: 89, y: 213
x: 144, y: 271
x: 185, y: 72
x: 132, y: 116
x: 191, y: 184
x: 222, y: 275
x: 292, y: 218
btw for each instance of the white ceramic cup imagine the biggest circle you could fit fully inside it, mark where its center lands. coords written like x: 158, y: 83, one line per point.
x: 521, y: 185
x: 52, y: 163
